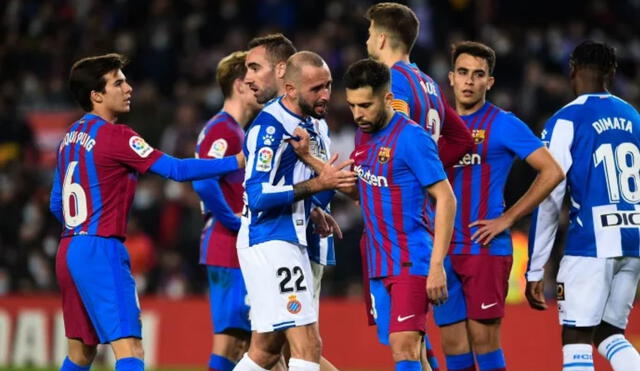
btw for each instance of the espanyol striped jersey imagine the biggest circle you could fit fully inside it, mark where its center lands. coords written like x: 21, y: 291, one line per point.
x: 97, y: 171
x: 395, y: 166
x: 418, y: 96
x: 479, y: 177
x: 596, y: 140
x: 221, y: 136
x: 272, y: 168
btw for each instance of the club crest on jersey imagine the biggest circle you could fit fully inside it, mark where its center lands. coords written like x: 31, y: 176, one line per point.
x: 139, y: 146
x: 478, y: 135
x: 293, y: 305
x: 384, y: 154
x: 265, y: 155
x: 218, y: 148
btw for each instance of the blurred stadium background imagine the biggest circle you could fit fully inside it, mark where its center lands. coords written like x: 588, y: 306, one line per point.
x: 174, y: 46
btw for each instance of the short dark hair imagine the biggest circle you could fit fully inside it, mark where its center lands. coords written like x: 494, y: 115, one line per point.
x: 87, y: 75
x: 278, y: 47
x: 230, y: 68
x: 475, y: 49
x: 398, y: 20
x: 599, y: 57
x: 368, y: 72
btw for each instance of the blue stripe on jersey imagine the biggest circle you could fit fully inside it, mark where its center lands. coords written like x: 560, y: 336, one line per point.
x: 204, y: 246
x: 96, y: 198
x: 221, y: 116
x: 65, y: 166
x: 77, y: 146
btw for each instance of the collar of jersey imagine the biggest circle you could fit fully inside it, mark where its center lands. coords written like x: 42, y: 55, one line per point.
x: 482, y: 110
x: 90, y: 116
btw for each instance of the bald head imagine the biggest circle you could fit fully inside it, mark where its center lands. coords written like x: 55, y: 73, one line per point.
x: 307, y: 83
x: 297, y: 62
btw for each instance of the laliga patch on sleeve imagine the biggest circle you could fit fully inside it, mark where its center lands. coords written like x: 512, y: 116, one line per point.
x: 218, y: 148
x: 265, y: 156
x: 139, y: 146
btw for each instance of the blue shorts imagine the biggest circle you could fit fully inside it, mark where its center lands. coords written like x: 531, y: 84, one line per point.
x: 455, y: 308
x: 228, y: 298
x: 99, y: 298
x: 381, y: 306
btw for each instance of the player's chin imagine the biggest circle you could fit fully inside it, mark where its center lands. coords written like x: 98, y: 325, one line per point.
x: 365, y: 126
x: 320, y: 111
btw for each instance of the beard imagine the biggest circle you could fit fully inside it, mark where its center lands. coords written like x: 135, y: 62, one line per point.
x: 376, y: 124
x: 267, y: 94
x: 308, y: 109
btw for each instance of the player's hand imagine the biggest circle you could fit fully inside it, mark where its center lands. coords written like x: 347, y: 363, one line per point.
x: 334, y: 177
x: 300, y: 142
x: 535, y: 295
x: 241, y: 160
x: 325, y: 224
x: 489, y: 228
x: 437, y: 284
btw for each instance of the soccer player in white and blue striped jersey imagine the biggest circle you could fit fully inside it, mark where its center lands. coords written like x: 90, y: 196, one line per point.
x: 272, y: 246
x: 596, y: 140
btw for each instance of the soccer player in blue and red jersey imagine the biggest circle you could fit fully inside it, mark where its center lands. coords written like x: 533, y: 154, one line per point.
x: 223, y: 135
x: 398, y: 168
x: 481, y: 247
x: 393, y: 30
x: 97, y: 167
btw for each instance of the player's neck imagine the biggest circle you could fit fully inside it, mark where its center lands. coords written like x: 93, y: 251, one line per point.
x: 464, y: 110
x: 390, y: 58
x: 237, y: 110
x: 292, y: 106
x: 105, y: 114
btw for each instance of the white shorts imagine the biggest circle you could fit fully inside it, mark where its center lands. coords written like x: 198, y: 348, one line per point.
x: 591, y: 290
x: 279, y: 285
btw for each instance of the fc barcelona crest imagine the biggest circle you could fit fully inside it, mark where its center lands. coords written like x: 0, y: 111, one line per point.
x: 384, y: 154
x: 478, y: 135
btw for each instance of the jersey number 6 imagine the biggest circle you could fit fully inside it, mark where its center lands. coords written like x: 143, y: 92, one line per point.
x: 73, y: 193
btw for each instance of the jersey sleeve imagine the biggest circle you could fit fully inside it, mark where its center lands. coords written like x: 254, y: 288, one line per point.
x: 421, y: 156
x: 558, y: 135
x: 401, y: 92
x: 219, y: 141
x: 455, y: 140
x: 55, y: 200
x: 262, y: 144
x: 518, y: 138
x: 128, y: 148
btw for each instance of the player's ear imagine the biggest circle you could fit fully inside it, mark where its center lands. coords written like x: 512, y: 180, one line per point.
x: 388, y: 98
x: 290, y: 89
x: 238, y: 86
x: 281, y: 67
x: 490, y: 82
x: 96, y: 96
x: 450, y: 78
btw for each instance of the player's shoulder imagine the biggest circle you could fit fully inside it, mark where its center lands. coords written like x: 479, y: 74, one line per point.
x: 506, y: 118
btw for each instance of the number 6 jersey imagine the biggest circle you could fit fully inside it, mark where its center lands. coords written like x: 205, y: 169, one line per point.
x: 596, y: 140
x: 96, y: 174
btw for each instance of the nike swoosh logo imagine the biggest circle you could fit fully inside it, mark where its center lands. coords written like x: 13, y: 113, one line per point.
x: 487, y: 306
x: 402, y: 319
x: 359, y: 153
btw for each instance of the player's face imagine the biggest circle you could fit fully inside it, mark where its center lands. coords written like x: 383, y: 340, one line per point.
x: 314, y: 91
x: 368, y: 108
x: 372, y: 42
x: 248, y: 98
x: 116, y: 97
x: 261, y: 75
x: 470, y: 80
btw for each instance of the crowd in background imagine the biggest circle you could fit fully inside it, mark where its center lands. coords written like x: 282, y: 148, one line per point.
x: 174, y: 47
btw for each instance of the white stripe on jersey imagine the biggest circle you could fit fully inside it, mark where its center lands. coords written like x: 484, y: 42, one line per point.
x: 549, y: 210
x: 608, y: 239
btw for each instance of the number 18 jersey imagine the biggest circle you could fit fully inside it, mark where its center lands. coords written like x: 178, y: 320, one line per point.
x: 596, y: 139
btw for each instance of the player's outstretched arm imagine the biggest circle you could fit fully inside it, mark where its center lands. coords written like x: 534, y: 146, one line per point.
x: 550, y: 174
x: 329, y: 177
x: 455, y: 140
x: 211, y: 195
x: 55, y: 200
x: 182, y: 170
x: 445, y: 213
